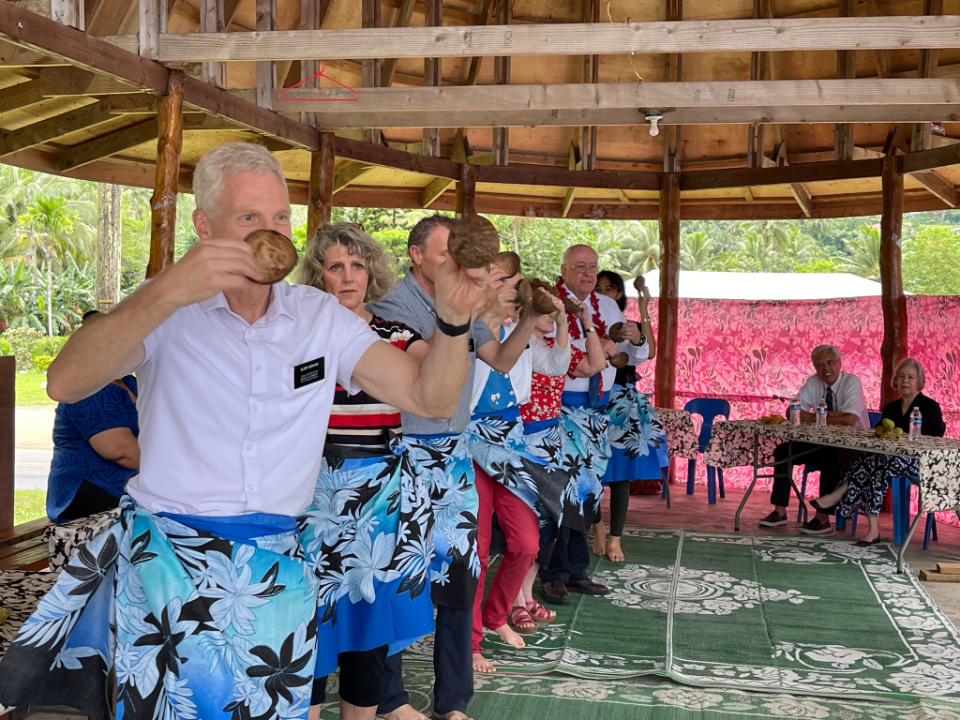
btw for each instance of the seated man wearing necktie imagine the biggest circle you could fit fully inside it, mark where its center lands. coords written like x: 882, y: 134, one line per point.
x: 846, y: 405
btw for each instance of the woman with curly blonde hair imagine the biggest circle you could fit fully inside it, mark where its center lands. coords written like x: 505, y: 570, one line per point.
x: 368, y: 502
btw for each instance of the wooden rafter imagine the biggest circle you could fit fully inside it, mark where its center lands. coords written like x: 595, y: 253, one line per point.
x: 799, y: 190
x: 931, y: 180
x: 349, y: 171
x: 54, y: 127
x: 574, y: 162
x: 846, y: 70
x: 20, y: 96
x: 691, y: 36
x: 400, y: 19
x: 926, y: 68
x: 500, y: 139
x: 213, y: 19
x: 432, y: 74
x: 699, y: 94
x: 487, y: 16
x: 266, y: 69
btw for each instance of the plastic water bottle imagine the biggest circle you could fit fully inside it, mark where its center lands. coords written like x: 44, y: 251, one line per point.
x: 822, y: 415
x: 916, y: 420
x: 795, y: 409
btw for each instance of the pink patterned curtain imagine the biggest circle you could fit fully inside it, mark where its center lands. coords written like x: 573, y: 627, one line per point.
x: 756, y: 354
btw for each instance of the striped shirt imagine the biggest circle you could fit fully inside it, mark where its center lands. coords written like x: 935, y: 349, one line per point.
x: 361, y: 419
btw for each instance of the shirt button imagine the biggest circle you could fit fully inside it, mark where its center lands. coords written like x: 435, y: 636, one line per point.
x: 256, y: 407
x: 249, y: 447
x: 250, y: 486
x: 258, y: 368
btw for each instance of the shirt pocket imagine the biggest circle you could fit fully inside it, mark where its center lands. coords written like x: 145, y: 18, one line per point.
x: 304, y: 399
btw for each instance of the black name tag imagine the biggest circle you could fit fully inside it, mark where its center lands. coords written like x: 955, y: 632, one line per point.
x: 309, y: 372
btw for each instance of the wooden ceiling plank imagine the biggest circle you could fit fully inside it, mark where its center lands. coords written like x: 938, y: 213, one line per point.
x: 13, y: 57
x: 348, y: 172
x: 390, y: 157
x: 107, y: 145
x: 71, y: 82
x: 53, y: 128
x: 775, y: 35
x: 561, y: 177
x: 17, y: 97
x: 694, y: 94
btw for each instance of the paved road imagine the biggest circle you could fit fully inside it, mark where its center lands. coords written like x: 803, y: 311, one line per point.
x: 33, y: 466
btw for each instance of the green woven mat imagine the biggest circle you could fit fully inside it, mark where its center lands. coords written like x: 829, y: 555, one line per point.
x: 798, y: 615
x: 561, y: 697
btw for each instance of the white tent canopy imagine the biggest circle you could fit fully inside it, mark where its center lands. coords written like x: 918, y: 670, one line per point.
x: 763, y: 286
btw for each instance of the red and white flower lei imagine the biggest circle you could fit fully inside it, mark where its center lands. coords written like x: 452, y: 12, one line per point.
x: 573, y: 325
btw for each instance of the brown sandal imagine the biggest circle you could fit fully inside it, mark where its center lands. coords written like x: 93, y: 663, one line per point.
x: 521, y: 621
x: 539, y: 613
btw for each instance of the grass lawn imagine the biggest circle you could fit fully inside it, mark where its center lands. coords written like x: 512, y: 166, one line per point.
x: 29, y: 505
x: 29, y: 391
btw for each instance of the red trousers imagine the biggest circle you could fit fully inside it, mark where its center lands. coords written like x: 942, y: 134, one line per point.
x: 522, y: 531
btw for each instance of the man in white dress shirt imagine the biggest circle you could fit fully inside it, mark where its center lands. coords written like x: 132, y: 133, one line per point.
x: 578, y: 273
x: 237, y: 378
x: 846, y: 405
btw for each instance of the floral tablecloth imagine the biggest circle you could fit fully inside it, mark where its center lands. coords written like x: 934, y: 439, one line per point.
x: 64, y: 541
x: 731, y: 445
x: 682, y: 438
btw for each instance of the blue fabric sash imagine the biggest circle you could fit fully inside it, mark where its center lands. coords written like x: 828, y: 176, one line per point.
x: 638, y: 443
x: 582, y: 400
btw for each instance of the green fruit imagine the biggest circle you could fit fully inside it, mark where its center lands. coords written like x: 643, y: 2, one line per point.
x: 898, y: 431
x: 887, y: 423
x: 878, y: 431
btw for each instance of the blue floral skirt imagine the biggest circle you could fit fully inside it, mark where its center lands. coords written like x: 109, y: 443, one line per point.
x: 498, y: 447
x: 868, y: 479
x: 638, y: 443
x: 368, y: 538
x: 567, y: 488
x: 586, y: 449
x: 445, y: 469
x: 187, y: 622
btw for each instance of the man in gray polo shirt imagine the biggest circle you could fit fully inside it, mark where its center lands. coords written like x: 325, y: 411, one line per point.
x: 447, y: 470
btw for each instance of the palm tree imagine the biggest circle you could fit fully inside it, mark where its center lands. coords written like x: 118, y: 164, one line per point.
x: 637, y: 243
x: 696, y: 251
x: 58, y: 230
x: 864, y: 251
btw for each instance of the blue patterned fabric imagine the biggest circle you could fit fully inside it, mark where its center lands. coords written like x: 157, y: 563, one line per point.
x: 638, y: 443
x: 74, y: 459
x: 368, y: 538
x: 445, y: 468
x: 191, y: 625
x: 586, y: 449
x: 564, y: 493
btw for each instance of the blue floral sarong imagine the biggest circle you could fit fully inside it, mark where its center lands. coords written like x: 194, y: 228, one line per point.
x: 560, y: 493
x: 212, y: 621
x: 586, y: 449
x: 446, y: 470
x: 368, y: 538
x: 497, y: 445
x: 638, y: 443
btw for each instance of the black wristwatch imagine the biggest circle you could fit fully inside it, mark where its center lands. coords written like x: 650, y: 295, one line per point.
x: 452, y: 330
x: 643, y: 340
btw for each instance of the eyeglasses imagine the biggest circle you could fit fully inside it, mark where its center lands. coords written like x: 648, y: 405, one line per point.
x: 583, y: 267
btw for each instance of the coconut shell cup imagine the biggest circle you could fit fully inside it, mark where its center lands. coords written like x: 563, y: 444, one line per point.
x: 620, y: 361
x: 615, y: 332
x: 568, y: 306
x: 273, y: 253
x: 474, y: 242
x: 509, y: 262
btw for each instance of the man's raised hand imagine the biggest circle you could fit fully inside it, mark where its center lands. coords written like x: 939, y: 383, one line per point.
x: 210, y: 267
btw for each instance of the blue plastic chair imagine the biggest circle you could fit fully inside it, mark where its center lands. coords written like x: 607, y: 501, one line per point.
x: 708, y: 409
x: 930, y: 528
x: 900, y: 492
x: 839, y: 522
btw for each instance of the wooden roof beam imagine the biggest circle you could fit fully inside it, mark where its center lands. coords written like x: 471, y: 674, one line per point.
x: 725, y: 94
x: 345, y: 118
x: 487, y: 16
x: 775, y: 35
x: 846, y: 69
x: 938, y: 185
x: 72, y: 82
x: 17, y: 97
x: 926, y: 68
x: 54, y: 127
x: 348, y: 172
x: 799, y: 191
x: 401, y: 19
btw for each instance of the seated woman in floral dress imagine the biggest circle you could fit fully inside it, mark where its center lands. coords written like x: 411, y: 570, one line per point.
x: 367, y: 533
x: 866, y: 481
x: 638, y: 443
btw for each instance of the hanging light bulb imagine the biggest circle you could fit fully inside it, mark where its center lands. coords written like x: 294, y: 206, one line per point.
x: 654, y: 116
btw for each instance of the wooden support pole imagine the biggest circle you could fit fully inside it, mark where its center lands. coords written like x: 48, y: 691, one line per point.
x: 322, y: 171
x: 501, y: 76
x: 432, y: 75
x: 467, y: 191
x: 266, y: 70
x: 668, y: 307
x: 846, y: 69
x: 894, y: 347
x: 8, y: 380
x: 371, y: 70
x: 163, y: 203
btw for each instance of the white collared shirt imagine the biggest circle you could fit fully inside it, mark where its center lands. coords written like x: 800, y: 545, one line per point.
x: 610, y: 314
x: 847, y: 392
x: 223, y: 430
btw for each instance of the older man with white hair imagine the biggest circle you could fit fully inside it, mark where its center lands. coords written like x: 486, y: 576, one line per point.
x: 584, y: 417
x: 198, y: 602
x: 846, y: 405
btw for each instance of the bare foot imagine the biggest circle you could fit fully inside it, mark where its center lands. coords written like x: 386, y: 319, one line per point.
x: 599, y: 538
x: 455, y: 715
x: 614, y: 553
x: 510, y: 637
x: 404, y: 712
x: 482, y: 665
